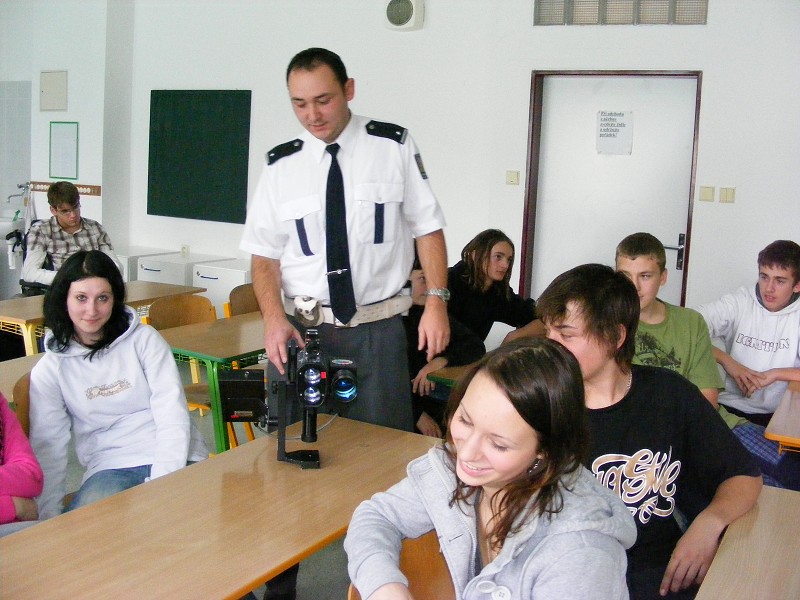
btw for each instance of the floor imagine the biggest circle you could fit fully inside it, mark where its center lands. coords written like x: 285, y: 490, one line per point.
x: 323, y: 576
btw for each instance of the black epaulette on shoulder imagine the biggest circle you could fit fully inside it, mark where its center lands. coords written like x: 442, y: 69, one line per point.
x: 387, y: 130
x: 284, y: 150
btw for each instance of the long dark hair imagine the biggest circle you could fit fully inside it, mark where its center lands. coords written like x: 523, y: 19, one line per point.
x: 476, y: 255
x: 543, y: 382
x: 83, y: 265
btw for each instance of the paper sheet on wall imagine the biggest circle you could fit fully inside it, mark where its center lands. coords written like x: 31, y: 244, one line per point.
x: 614, y: 132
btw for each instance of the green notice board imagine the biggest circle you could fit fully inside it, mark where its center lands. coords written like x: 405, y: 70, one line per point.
x: 199, y: 146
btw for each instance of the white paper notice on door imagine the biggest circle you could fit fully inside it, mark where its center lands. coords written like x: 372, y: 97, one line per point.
x: 614, y: 131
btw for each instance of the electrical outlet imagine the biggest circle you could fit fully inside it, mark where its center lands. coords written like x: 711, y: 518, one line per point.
x: 185, y: 250
x: 706, y: 193
x: 512, y: 177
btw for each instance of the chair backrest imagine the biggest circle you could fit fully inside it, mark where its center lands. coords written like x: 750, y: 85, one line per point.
x: 22, y: 402
x: 424, y: 566
x: 241, y: 300
x: 184, y: 309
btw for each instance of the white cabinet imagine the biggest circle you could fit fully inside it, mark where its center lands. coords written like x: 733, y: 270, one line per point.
x: 219, y: 278
x: 129, y: 257
x: 172, y: 268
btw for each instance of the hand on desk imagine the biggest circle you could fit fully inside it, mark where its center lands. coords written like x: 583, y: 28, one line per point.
x: 421, y: 384
x: 428, y: 426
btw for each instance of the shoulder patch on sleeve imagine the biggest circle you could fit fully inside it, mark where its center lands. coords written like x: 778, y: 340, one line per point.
x: 387, y: 130
x: 284, y: 150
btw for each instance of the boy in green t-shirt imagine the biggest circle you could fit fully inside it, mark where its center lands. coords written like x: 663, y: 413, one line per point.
x: 678, y: 339
x: 668, y: 336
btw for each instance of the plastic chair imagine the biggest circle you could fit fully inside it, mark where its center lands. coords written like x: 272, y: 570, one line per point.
x: 241, y: 300
x: 424, y: 566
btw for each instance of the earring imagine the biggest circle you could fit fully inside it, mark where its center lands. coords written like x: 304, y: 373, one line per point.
x: 532, y: 469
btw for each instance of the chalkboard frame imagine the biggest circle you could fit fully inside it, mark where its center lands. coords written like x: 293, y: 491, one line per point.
x: 199, y: 153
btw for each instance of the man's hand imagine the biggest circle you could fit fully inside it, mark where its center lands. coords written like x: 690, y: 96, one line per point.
x: 277, y: 333
x: 434, y: 328
x: 692, y: 555
x: 747, y: 380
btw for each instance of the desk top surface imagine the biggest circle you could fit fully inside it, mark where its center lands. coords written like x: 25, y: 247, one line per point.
x: 221, y: 340
x: 28, y: 311
x: 212, y: 530
x: 784, y: 426
x: 12, y: 370
x: 758, y: 554
x: 448, y: 375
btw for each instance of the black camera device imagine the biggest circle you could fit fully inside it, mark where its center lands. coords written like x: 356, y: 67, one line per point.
x: 310, y: 380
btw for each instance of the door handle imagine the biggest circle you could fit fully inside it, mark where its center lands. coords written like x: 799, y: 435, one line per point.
x: 680, y: 248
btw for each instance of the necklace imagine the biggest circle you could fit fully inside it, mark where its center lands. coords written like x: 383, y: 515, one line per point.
x: 628, y: 385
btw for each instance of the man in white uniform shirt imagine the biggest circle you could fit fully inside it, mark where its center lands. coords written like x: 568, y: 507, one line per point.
x: 389, y: 207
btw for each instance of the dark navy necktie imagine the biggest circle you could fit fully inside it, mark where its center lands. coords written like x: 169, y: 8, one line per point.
x: 340, y: 279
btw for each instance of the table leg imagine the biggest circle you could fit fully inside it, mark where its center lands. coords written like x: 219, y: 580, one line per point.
x: 220, y: 431
x: 29, y: 337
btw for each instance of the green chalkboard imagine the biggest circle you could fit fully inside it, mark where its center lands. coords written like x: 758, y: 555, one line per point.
x: 199, y: 145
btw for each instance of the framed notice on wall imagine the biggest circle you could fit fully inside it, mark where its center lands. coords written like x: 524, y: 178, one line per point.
x: 63, y: 150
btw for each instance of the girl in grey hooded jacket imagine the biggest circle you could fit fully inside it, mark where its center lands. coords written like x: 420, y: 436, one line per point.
x: 547, y: 531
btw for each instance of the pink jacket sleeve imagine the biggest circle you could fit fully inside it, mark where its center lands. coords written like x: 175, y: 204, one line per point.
x: 20, y: 473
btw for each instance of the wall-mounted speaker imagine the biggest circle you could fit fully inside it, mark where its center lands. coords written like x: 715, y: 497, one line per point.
x: 405, y: 15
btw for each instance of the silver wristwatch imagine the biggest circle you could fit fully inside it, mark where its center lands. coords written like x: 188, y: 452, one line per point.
x: 442, y: 293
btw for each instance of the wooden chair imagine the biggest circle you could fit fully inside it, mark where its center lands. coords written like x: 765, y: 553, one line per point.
x: 424, y: 566
x: 185, y: 309
x: 22, y: 407
x: 241, y: 300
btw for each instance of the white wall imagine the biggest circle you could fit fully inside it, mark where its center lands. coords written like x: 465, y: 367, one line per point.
x: 461, y: 84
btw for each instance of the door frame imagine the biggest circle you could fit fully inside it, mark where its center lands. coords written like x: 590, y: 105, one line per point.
x: 534, y: 149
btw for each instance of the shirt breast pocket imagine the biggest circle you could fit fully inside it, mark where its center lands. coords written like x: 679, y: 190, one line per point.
x: 302, y: 220
x: 379, y: 212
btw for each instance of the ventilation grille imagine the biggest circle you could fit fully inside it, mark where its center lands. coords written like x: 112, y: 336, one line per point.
x: 620, y: 12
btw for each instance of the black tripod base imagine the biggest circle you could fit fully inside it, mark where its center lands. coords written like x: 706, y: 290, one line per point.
x: 307, y: 459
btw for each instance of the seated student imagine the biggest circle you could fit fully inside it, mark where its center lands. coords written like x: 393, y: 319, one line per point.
x: 110, y: 379
x: 20, y: 474
x: 654, y: 439
x: 760, y: 328
x: 464, y: 347
x: 479, y: 291
x: 677, y: 338
x: 62, y: 235
x: 516, y: 514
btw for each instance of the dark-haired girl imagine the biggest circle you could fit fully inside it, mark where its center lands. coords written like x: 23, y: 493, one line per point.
x: 113, y: 382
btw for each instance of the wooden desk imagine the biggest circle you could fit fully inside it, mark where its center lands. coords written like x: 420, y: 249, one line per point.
x: 448, y: 376
x: 217, y: 344
x: 12, y: 370
x: 24, y: 316
x: 759, y: 552
x: 784, y: 426
x: 213, y: 530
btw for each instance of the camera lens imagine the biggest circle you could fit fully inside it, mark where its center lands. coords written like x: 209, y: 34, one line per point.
x: 344, y: 385
x: 312, y: 376
x: 312, y: 396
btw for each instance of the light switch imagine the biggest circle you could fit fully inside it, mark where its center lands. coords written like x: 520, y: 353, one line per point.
x: 512, y: 177
x: 706, y: 193
x: 727, y: 194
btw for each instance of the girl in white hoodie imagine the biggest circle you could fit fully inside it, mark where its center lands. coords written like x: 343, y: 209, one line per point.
x: 113, y: 382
